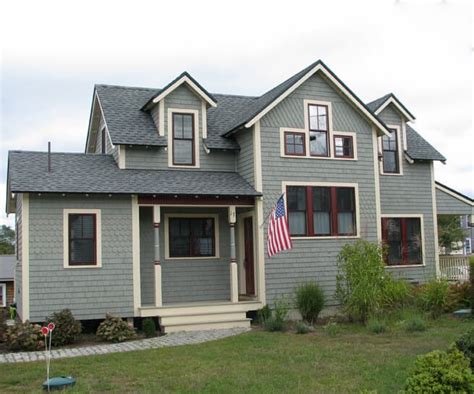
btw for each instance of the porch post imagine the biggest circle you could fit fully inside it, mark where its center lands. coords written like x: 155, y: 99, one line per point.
x: 156, y: 227
x: 234, y: 287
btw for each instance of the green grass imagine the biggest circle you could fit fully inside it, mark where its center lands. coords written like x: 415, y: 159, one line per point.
x: 352, y: 360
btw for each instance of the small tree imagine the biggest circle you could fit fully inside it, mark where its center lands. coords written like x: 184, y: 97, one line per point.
x: 7, y: 240
x: 450, y: 233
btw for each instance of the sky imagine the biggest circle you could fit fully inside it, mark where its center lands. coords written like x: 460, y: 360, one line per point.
x: 53, y: 52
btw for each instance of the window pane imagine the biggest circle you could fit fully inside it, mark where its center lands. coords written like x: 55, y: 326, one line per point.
x: 339, y: 147
x: 345, y: 223
x: 318, y: 143
x: 88, y: 226
x: 345, y: 199
x: 413, y: 229
x: 297, y: 223
x: 389, y: 161
x: 296, y: 198
x: 321, y: 199
x: 183, y: 151
x: 82, y: 251
x: 393, y: 241
x: 188, y: 126
x: 318, y: 117
x: 191, y: 237
x: 321, y: 223
x: 75, y: 226
x: 178, y: 126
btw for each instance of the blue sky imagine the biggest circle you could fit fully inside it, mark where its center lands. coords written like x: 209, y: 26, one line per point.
x: 52, y: 55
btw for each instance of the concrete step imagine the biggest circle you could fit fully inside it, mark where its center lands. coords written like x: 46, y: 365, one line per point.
x: 210, y: 325
x: 195, y: 318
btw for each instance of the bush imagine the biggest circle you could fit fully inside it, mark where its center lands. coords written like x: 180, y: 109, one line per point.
x: 114, y: 329
x: 441, y: 372
x: 465, y: 344
x: 149, y: 328
x: 459, y: 296
x: 434, y: 297
x: 3, y: 324
x: 277, y: 320
x: 376, y: 325
x: 264, y: 314
x: 395, y: 293
x: 24, y: 336
x: 67, y: 329
x: 360, y: 279
x: 309, y: 301
x: 471, y: 277
x: 301, y: 328
x: 415, y: 324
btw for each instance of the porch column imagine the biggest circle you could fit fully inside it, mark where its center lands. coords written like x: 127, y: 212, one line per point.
x: 234, y: 286
x: 156, y: 230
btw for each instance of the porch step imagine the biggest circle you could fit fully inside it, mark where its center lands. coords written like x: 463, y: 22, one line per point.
x: 203, y: 321
x: 208, y: 326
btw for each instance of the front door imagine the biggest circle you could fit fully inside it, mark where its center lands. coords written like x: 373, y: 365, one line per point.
x: 248, y: 257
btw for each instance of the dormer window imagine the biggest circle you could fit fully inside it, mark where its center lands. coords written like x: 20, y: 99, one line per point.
x: 183, y: 139
x: 390, y: 148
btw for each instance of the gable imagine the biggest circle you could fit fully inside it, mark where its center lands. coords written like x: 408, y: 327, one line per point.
x: 390, y: 115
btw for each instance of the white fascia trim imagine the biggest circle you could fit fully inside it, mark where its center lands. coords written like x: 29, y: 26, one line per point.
x: 408, y: 159
x: 435, y: 220
x: 399, y: 146
x: 391, y: 100
x: 462, y: 199
x: 98, y: 231
x: 161, y: 116
x: 257, y: 156
x: 197, y: 137
x: 25, y: 256
x: 103, y: 117
x: 204, y: 120
x: 121, y: 156
x: 179, y: 82
x: 422, y: 226
x: 292, y: 88
x: 378, y: 209
x: 214, y: 216
x: 355, y: 186
x: 136, y: 255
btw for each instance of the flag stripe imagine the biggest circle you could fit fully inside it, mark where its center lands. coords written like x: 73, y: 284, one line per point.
x: 278, y: 235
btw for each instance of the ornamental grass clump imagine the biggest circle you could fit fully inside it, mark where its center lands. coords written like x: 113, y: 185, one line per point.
x: 309, y: 301
x: 114, y: 329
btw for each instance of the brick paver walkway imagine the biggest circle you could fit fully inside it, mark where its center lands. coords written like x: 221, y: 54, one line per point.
x: 173, y: 339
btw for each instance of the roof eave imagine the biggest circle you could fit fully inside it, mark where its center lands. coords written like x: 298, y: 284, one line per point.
x: 398, y: 104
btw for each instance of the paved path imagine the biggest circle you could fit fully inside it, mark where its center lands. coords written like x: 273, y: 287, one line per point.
x: 173, y: 339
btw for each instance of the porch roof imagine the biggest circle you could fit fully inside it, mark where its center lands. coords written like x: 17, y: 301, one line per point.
x: 97, y: 173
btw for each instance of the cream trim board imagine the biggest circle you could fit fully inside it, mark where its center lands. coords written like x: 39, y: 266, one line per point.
x: 435, y: 221
x: 204, y: 120
x: 161, y: 115
x: 98, y: 230
x: 400, y: 157
x: 404, y: 135
x: 391, y: 100
x: 240, y: 224
x: 257, y: 152
x: 443, y: 189
x: 197, y: 136
x: 260, y: 263
x: 327, y: 184
x: 179, y: 82
x: 3, y: 290
x: 136, y: 254
x: 25, y: 256
x: 378, y: 208
x: 422, y: 226
x: 291, y: 89
x: 121, y: 156
x: 214, y: 216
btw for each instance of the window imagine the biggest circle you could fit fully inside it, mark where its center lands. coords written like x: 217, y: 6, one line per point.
x: 82, y: 239
x: 3, y: 294
x: 103, y: 136
x: 390, y: 153
x: 318, y: 130
x: 321, y: 211
x: 183, y: 139
x: 403, y: 240
x: 192, y: 237
x: 343, y: 146
x: 295, y: 144
x: 467, y: 246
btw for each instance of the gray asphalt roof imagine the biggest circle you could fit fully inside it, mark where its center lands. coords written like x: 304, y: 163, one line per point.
x: 375, y: 105
x: 7, y: 267
x: 419, y: 148
x: 95, y: 173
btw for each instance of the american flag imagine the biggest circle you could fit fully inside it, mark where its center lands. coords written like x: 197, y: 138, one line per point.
x: 278, y: 234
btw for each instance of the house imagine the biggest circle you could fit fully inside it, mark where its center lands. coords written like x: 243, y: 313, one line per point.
x: 7, y: 275
x: 164, y: 213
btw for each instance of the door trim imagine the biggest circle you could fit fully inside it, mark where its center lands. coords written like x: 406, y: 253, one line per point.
x: 240, y: 261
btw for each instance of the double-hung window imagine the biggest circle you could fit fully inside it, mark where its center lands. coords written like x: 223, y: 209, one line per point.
x: 318, y: 130
x: 390, y: 148
x: 319, y: 211
x: 191, y: 237
x: 403, y: 241
x: 183, y: 139
x: 82, y: 239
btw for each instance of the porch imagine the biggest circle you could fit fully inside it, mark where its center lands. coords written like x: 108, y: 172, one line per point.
x: 199, y: 264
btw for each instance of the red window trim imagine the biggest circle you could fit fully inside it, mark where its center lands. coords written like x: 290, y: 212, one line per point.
x: 304, y: 143
x: 396, y: 151
x: 404, y: 240
x: 352, y: 146
x: 94, y: 239
x: 328, y: 147
x: 193, y: 162
x: 333, y: 212
x: 190, y: 255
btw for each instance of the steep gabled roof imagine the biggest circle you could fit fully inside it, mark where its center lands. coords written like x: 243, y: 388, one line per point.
x: 379, y: 104
x: 419, y: 148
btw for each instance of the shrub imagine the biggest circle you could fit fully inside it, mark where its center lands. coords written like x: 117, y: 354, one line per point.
x: 360, y: 279
x: 441, y: 372
x: 465, y: 344
x: 395, y: 293
x: 309, y: 301
x: 67, y: 329
x: 149, y: 328
x: 264, y: 314
x: 114, y: 329
x: 24, y: 336
x: 434, y: 297
x: 459, y: 296
x: 3, y: 324
x: 471, y: 280
x: 301, y: 328
x: 376, y: 325
x: 277, y: 320
x: 415, y: 324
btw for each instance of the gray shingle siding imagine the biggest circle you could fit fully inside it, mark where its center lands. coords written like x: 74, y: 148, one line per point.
x: 184, y: 280
x: 314, y: 259
x: 449, y: 205
x: 244, y: 158
x: 89, y: 292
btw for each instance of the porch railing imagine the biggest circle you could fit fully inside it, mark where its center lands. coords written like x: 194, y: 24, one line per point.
x: 455, y: 268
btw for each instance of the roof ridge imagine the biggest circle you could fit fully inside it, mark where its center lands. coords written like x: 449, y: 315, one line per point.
x: 235, y: 95
x: 125, y: 87
x: 58, y: 153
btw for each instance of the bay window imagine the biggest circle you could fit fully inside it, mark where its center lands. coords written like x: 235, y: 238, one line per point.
x: 402, y: 238
x: 318, y: 211
x: 318, y: 130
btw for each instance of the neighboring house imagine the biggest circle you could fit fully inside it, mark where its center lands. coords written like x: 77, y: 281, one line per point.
x: 164, y: 214
x: 7, y: 275
x: 452, y: 202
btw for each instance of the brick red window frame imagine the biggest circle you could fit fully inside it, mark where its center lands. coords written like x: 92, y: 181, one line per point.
x: 92, y: 240
x: 334, y: 210
x: 294, y: 144
x: 349, y: 146
x: 193, y: 238
x: 404, y: 242
x: 319, y: 130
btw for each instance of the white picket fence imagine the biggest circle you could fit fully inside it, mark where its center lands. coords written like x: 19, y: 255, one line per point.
x: 455, y: 268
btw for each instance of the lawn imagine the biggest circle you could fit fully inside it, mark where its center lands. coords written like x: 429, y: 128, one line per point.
x: 351, y: 360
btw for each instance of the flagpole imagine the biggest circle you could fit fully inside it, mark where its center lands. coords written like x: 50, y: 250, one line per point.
x: 271, y: 211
